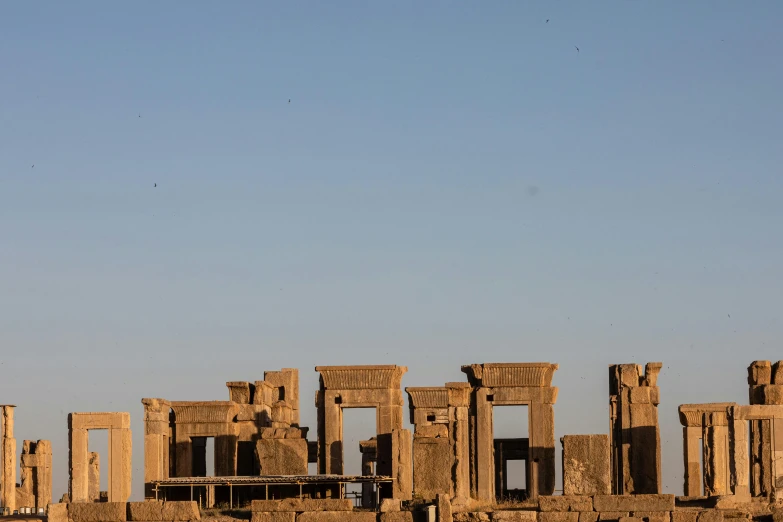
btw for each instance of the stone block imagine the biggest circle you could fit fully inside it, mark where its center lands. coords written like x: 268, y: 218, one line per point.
x: 302, y: 505
x: 97, y: 511
x: 471, y: 516
x: 588, y: 516
x: 396, y: 516
x: 653, y: 516
x: 433, y: 431
x: 390, y: 505
x: 565, y: 503
x: 710, y: 515
x: 515, y: 516
x: 180, y: 511
x: 57, y: 513
x: 337, y: 516
x: 558, y: 516
x: 633, y: 502
x: 432, y: 467
x: 630, y: 519
x: 273, y: 516
x: 282, y: 456
x: 586, y: 465
x: 147, y: 511
x: 689, y: 515
x: 613, y: 516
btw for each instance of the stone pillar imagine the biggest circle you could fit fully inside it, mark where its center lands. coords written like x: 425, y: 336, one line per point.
x: 43, y: 474
x: 79, y: 459
x: 738, y: 454
x: 368, y: 449
x: 8, y: 443
x: 459, y: 402
x: 156, y: 442
x: 635, y: 437
x: 485, y: 463
x: 120, y: 452
x: 691, y: 456
x: 330, y: 434
x: 94, y: 478
x: 716, y: 449
x: 542, y: 446
x: 402, y: 468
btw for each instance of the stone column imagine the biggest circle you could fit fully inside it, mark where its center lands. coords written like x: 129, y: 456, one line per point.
x: 120, y: 452
x: 738, y: 454
x: 43, y: 474
x: 156, y: 442
x: 332, y: 435
x: 459, y: 402
x: 636, y: 440
x: 8, y: 443
x: 692, y: 458
x: 79, y: 459
x: 715, y: 437
x: 542, y: 447
x: 485, y: 463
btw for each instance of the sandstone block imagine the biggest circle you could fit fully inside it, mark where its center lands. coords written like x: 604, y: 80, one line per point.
x: 148, y: 511
x: 515, y: 516
x: 97, y: 511
x: 586, y: 465
x: 390, y: 505
x: 630, y: 519
x: 685, y: 516
x: 434, y: 431
x: 710, y: 515
x: 588, y: 516
x: 432, y: 467
x: 653, y: 516
x: 302, y: 505
x: 180, y: 511
x: 273, y: 516
x: 471, y: 516
x: 633, y: 502
x: 396, y: 516
x: 558, y: 516
x: 57, y: 513
x: 565, y: 503
x: 337, y: 516
x: 613, y: 516
x: 282, y: 456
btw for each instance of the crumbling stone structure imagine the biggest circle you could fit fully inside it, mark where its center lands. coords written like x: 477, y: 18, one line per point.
x: 256, y: 432
x: 35, y: 490
x: 635, y: 437
x: 119, y: 472
x: 441, y: 440
x: 706, y: 438
x: 375, y: 387
x: 512, y: 384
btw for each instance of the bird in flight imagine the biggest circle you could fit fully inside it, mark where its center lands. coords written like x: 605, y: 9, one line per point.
x: 547, y: 20
x: 289, y: 100
x: 155, y: 185
x: 139, y: 115
x: 33, y: 166
x: 577, y: 49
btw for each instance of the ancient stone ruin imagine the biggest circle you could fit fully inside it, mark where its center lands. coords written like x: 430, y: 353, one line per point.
x: 452, y: 467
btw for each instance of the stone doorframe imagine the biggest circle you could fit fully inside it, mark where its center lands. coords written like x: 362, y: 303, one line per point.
x: 513, y: 384
x: 364, y: 387
x: 119, y: 473
x: 708, y: 423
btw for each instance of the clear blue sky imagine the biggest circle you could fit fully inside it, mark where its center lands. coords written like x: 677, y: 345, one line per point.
x: 451, y: 183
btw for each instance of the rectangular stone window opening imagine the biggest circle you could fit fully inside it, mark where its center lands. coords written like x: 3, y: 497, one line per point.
x: 511, y: 433
x: 203, y: 456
